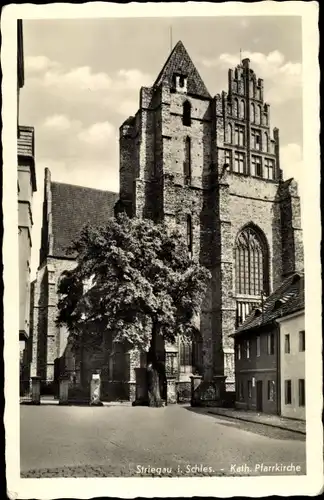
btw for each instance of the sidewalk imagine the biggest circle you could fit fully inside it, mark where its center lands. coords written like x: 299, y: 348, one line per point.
x: 262, y: 418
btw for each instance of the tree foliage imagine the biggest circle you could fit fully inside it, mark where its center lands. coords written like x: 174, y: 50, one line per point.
x: 132, y: 277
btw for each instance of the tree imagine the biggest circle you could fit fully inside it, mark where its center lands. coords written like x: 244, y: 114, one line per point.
x: 137, y: 281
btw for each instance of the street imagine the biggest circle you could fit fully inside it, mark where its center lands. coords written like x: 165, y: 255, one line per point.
x: 67, y: 441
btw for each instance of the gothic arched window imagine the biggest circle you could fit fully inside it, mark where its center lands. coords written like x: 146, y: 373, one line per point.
x: 252, y: 112
x: 251, y: 263
x: 186, y: 114
x: 258, y: 114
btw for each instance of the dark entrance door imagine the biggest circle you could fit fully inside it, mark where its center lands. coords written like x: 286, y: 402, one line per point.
x: 259, y: 395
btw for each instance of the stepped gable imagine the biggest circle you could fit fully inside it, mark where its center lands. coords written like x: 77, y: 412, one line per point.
x: 287, y: 299
x: 179, y: 62
x: 72, y: 208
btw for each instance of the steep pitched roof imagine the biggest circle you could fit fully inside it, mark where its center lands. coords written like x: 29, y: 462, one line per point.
x: 287, y: 299
x: 179, y: 62
x: 72, y: 208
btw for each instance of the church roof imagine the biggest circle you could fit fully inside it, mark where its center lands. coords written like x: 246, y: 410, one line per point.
x: 287, y: 299
x: 72, y: 208
x: 179, y: 62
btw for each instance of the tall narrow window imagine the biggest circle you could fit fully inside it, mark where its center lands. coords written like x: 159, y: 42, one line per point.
x: 301, y: 391
x: 256, y: 166
x: 248, y: 349
x: 288, y: 392
x: 229, y: 133
x: 187, y: 162
x: 265, y: 142
x: 239, y: 163
x: 302, y: 341
x: 271, y: 390
x: 250, y: 388
x: 242, y: 108
x: 258, y: 114
x: 256, y: 139
x: 287, y: 343
x: 228, y: 157
x: 238, y: 350
x: 258, y: 345
x: 185, y: 355
x: 252, y: 117
x: 269, y: 168
x: 236, y: 107
x: 239, y: 135
x: 189, y: 234
x: 251, y: 263
x: 186, y: 114
x: 271, y: 347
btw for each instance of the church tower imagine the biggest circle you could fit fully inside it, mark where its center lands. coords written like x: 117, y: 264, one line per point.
x: 211, y: 166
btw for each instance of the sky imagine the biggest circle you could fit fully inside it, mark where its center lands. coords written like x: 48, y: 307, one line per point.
x: 82, y: 80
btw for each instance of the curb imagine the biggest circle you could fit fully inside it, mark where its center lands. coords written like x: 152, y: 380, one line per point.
x: 256, y: 422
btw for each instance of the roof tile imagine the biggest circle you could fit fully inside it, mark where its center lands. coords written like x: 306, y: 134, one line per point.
x: 72, y: 208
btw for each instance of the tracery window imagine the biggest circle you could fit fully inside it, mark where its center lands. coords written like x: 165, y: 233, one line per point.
x: 251, y: 263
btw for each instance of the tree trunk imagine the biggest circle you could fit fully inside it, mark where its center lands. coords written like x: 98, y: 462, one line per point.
x: 155, y: 376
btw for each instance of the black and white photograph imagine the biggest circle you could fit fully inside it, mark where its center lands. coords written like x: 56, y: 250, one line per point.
x: 164, y: 278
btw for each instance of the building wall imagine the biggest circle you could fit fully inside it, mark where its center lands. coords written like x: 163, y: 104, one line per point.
x: 221, y: 202
x: 25, y: 223
x: 48, y: 340
x: 292, y: 365
x: 262, y: 368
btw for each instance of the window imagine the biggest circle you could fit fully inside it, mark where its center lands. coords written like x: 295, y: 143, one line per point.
x: 271, y: 390
x: 248, y: 348
x: 229, y: 133
x: 187, y: 162
x: 236, y: 107
x: 301, y: 391
x: 186, y: 114
x: 249, y: 389
x: 181, y: 81
x: 269, y: 168
x: 258, y: 345
x: 258, y: 114
x: 228, y: 157
x: 256, y: 139
x: 256, y: 166
x: 239, y: 135
x: 189, y: 233
x: 251, y: 263
x: 238, y: 349
x: 271, y: 344
x: 287, y: 343
x: 252, y: 117
x: 302, y: 341
x: 170, y: 364
x: 266, y: 142
x: 288, y: 392
x: 239, y: 163
x: 185, y: 355
x: 242, y: 106
x: 241, y: 390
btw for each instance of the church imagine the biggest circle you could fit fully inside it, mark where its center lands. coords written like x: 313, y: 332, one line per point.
x: 209, y: 164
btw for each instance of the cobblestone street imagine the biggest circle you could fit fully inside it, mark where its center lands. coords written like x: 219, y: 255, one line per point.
x: 107, y: 441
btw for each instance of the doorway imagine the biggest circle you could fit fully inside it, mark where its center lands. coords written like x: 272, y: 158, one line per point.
x: 259, y: 392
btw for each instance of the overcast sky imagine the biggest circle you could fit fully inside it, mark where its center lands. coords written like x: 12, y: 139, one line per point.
x: 82, y: 80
